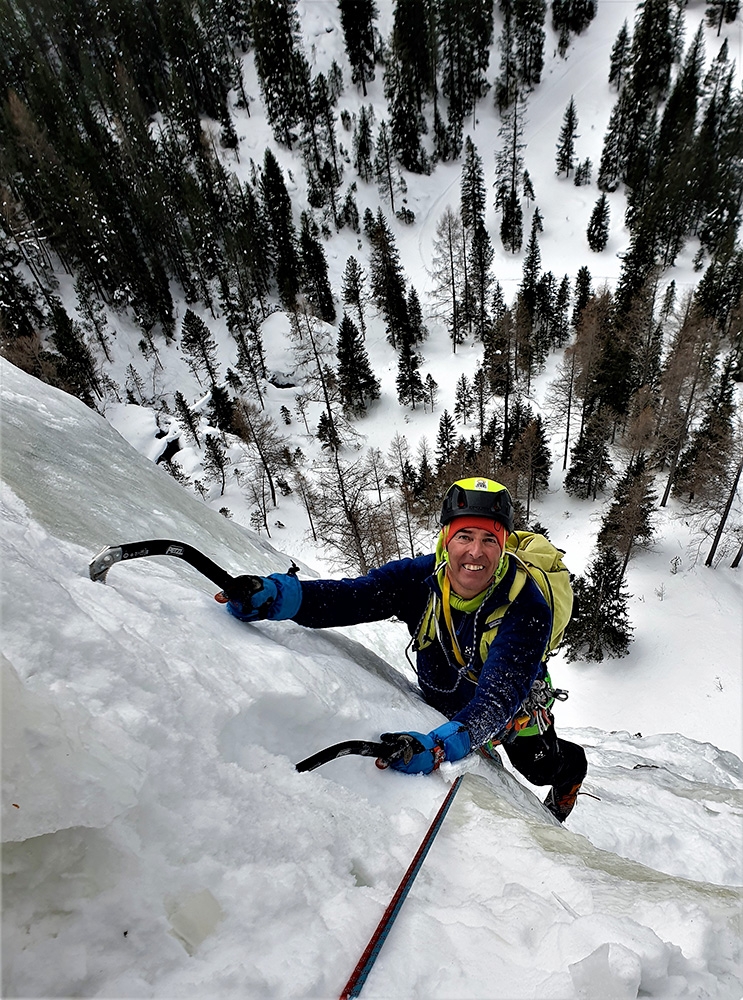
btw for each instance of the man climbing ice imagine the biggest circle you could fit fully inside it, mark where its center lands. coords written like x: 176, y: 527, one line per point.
x: 480, y: 627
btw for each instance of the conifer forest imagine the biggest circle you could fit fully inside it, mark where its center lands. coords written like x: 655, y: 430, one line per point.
x: 148, y: 257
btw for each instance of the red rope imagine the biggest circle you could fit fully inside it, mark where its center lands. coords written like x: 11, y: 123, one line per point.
x: 355, y: 984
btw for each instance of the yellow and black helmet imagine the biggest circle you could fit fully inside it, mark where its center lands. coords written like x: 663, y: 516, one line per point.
x: 478, y: 497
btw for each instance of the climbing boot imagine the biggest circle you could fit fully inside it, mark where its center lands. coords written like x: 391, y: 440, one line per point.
x: 560, y: 804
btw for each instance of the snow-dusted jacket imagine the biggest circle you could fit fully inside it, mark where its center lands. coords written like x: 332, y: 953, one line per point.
x: 483, y: 696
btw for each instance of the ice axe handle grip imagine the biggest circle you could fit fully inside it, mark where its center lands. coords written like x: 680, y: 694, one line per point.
x: 401, y: 746
x: 240, y: 589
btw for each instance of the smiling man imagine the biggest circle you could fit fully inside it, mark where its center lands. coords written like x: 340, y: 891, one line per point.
x: 480, y: 629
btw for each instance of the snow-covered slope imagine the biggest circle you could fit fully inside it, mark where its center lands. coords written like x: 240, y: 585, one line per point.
x: 159, y: 843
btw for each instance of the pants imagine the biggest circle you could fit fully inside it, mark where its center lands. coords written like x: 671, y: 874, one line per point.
x: 543, y: 759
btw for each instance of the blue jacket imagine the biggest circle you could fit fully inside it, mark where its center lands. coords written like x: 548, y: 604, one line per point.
x: 402, y: 589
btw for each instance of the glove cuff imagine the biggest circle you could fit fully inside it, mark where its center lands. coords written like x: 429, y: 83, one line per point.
x: 288, y: 597
x: 454, y: 738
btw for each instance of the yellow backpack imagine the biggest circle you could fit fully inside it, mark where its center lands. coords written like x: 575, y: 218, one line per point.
x: 538, y: 557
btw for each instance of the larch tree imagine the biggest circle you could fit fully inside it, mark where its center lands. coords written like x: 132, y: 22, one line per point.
x: 447, y: 268
x: 531, y: 462
x: 704, y: 465
x: 628, y: 523
x: 386, y: 171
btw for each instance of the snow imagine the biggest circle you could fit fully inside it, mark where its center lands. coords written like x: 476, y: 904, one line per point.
x: 157, y: 840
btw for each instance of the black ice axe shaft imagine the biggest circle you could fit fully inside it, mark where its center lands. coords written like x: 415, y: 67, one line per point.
x: 363, y: 748
x: 234, y: 587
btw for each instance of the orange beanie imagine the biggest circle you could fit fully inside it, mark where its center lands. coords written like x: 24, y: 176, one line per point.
x: 484, y: 523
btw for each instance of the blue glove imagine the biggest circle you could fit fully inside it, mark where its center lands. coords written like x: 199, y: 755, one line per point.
x: 424, y: 753
x: 279, y: 598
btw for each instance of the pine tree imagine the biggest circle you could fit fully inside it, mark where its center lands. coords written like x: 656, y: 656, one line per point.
x: 506, y: 88
x: 613, y: 154
x: 509, y: 171
x: 432, y: 391
x: 330, y: 167
x: 216, y: 461
x: 520, y: 414
x: 281, y: 65
x: 545, y: 317
x: 354, y: 290
x: 278, y: 209
x: 199, y: 348
x: 481, y: 396
x: 472, y: 187
x: 357, y: 383
x: 445, y: 440
x: 75, y: 367
x: 221, y: 409
x: 410, y: 388
x: 598, y: 226
x: 416, y: 331
x: 721, y: 11
x: 703, y: 467
x: 93, y: 314
x: 406, y: 123
x: 314, y: 271
x: 565, y: 159
x: 583, y: 172
x: 600, y: 623
x: 481, y: 257
x: 530, y: 274
x: 652, y: 48
x: 528, y: 189
x: 387, y: 280
x: 529, y: 19
x: 357, y: 21
x: 463, y: 400
x: 512, y: 223
x: 465, y: 33
x: 590, y: 465
x: 410, y: 48
x: 582, y: 293
x: 187, y: 417
x: 363, y: 144
x: 619, y: 59
x: 560, y: 330
x: 571, y: 16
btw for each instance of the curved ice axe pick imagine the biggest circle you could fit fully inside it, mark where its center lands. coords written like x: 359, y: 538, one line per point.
x: 233, y: 587
x: 395, y: 746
